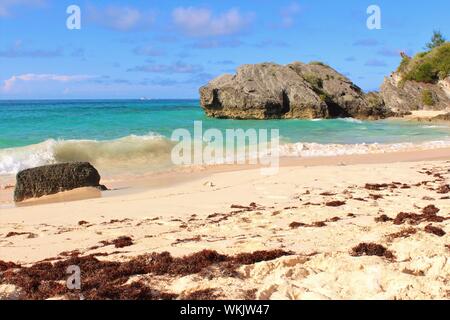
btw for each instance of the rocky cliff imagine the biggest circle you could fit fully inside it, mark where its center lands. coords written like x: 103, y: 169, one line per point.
x: 297, y: 90
x: 411, y: 95
x: 421, y: 82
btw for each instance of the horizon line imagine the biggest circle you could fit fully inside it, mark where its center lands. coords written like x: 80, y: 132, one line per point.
x: 93, y: 99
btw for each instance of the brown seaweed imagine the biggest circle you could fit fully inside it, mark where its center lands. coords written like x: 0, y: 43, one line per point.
x: 371, y: 249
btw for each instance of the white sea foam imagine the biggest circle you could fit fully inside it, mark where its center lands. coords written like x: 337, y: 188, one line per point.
x: 351, y: 120
x: 16, y: 159
x: 153, y: 151
x: 149, y: 149
x: 324, y: 150
x: 433, y: 126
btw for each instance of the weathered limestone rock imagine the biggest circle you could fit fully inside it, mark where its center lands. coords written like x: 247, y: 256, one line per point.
x: 51, y: 179
x: 294, y: 91
x: 403, y: 96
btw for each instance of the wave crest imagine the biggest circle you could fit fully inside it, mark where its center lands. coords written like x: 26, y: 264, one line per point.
x: 327, y: 150
x: 137, y: 154
x: 128, y: 151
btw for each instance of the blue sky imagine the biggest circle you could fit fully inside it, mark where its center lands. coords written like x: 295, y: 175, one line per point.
x: 168, y: 49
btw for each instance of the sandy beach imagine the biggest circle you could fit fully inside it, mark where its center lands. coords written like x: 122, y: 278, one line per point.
x: 316, y: 212
x: 426, y: 115
x: 190, y: 151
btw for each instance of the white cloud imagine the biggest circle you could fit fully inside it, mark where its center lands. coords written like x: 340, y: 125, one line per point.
x: 9, y: 84
x: 376, y: 63
x: 3, y: 11
x: 199, y: 22
x: 288, y: 14
x: 148, y: 50
x: 7, y: 5
x: 19, y: 51
x: 121, y: 18
x: 178, y: 67
x: 216, y: 43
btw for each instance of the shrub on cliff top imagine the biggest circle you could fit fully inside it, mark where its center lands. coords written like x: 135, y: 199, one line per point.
x: 436, y: 41
x: 318, y: 63
x: 428, y: 67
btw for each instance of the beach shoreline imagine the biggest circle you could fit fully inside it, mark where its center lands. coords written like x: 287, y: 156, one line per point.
x: 122, y: 184
x: 315, y: 213
x: 203, y: 152
x: 318, y: 209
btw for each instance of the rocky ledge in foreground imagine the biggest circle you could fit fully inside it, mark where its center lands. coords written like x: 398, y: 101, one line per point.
x: 439, y: 119
x: 51, y: 179
x: 294, y: 91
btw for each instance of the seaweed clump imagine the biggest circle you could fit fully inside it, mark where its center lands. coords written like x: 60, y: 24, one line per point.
x: 435, y: 230
x: 371, y: 249
x: 120, y: 242
x: 429, y: 214
x: 108, y: 280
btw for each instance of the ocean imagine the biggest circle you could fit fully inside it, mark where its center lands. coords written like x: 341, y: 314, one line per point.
x: 133, y: 134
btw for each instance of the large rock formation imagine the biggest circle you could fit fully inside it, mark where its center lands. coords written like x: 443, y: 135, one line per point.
x: 297, y: 90
x: 403, y: 96
x: 421, y: 82
x: 51, y: 179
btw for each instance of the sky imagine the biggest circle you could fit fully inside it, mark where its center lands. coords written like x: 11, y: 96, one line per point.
x: 168, y: 49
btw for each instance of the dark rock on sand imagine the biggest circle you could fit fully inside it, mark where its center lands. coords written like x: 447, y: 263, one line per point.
x: 441, y: 118
x: 294, y: 91
x: 51, y: 179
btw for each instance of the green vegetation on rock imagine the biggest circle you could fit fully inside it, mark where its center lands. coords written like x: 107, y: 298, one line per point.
x: 427, y: 98
x: 319, y: 63
x: 404, y: 64
x: 437, y: 40
x: 313, y: 80
x: 427, y: 67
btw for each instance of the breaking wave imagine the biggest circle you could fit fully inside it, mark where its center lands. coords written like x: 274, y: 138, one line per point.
x: 135, y: 154
x: 328, y: 150
x: 124, y: 152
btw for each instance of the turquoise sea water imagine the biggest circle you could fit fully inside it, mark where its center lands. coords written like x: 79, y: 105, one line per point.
x: 38, y: 132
